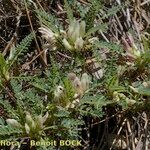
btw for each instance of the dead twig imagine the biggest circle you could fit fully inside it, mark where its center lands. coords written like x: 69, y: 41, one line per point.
x: 118, y: 133
x: 44, y: 60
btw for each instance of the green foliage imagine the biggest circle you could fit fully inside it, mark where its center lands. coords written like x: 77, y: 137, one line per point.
x: 69, y: 11
x: 27, y: 99
x: 102, y: 27
x: 146, y: 43
x: 5, y: 65
x: 111, y: 11
x: 4, y: 74
x: 7, y: 131
x: 39, y: 84
x: 109, y: 45
x: 82, y: 9
x: 91, y: 14
x: 113, y: 85
x: 69, y: 89
x: 20, y: 48
x: 142, y: 88
x: 52, y: 106
x: 47, y: 20
x: 92, y: 105
x: 8, y: 108
x: 71, y: 125
x: 146, y: 57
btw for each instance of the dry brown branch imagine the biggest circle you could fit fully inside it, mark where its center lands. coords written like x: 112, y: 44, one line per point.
x: 43, y: 59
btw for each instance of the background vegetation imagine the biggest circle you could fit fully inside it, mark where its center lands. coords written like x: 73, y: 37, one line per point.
x: 77, y: 70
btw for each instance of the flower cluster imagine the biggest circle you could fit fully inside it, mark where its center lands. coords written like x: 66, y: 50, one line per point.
x: 73, y: 39
x: 131, y: 48
x: 120, y: 96
x: 80, y: 86
x: 31, y: 126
